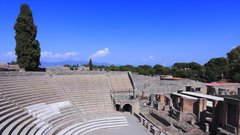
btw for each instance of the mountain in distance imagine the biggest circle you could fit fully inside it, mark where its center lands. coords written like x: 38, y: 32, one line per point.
x: 45, y: 64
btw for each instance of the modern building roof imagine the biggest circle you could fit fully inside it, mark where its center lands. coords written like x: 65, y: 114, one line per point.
x: 214, y: 84
x: 184, y: 96
x: 200, y: 95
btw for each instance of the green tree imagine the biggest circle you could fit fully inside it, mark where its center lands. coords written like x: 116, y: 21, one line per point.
x: 234, y: 63
x: 114, y: 68
x: 216, y: 69
x: 236, y: 77
x: 127, y: 68
x: 90, y: 64
x: 145, y: 70
x: 187, y: 66
x: 179, y: 66
x: 160, y: 70
x: 27, y: 47
x: 13, y: 63
x: 190, y: 70
x: 194, y: 66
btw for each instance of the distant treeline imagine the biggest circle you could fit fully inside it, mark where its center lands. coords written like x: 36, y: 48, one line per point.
x: 72, y: 67
x: 216, y: 69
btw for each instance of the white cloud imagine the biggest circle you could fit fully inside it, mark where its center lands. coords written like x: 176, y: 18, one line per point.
x: 149, y: 58
x: 51, y: 55
x: 100, y: 53
x: 45, y: 55
x: 8, y: 56
x: 54, y: 57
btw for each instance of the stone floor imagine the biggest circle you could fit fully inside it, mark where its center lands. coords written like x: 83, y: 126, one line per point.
x: 134, y: 128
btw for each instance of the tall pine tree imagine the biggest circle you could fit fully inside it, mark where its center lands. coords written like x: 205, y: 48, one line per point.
x: 27, y: 47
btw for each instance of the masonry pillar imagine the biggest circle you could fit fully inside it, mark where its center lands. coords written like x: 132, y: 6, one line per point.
x: 149, y: 127
x: 206, y: 127
x: 214, y: 113
x: 202, y: 107
x: 156, y: 131
x: 159, y: 106
x: 153, y: 98
x: 144, y: 123
x: 141, y: 120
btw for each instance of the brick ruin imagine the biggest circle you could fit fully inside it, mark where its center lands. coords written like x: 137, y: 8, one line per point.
x: 191, y: 111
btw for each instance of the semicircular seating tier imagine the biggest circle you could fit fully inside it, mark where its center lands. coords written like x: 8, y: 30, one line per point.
x: 38, y: 104
x: 120, y: 83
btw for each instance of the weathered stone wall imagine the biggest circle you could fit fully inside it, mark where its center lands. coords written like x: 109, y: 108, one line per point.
x: 67, y: 71
x: 223, y: 90
x: 147, y: 85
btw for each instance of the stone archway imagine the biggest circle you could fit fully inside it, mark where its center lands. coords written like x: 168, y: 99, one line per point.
x: 127, y: 108
x: 118, y: 107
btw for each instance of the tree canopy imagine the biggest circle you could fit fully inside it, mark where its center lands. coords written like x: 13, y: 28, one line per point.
x: 234, y: 63
x: 190, y: 70
x: 216, y: 69
x: 27, y: 47
x: 186, y: 66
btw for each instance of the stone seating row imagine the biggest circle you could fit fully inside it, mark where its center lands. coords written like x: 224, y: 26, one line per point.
x: 43, y: 105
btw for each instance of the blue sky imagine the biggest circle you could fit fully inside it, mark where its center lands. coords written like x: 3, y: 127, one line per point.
x: 127, y: 31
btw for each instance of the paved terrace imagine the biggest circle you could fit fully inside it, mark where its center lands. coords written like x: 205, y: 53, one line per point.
x: 134, y: 128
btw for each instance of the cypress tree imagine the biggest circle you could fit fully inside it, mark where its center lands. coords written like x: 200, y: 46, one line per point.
x: 90, y: 64
x: 27, y: 47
